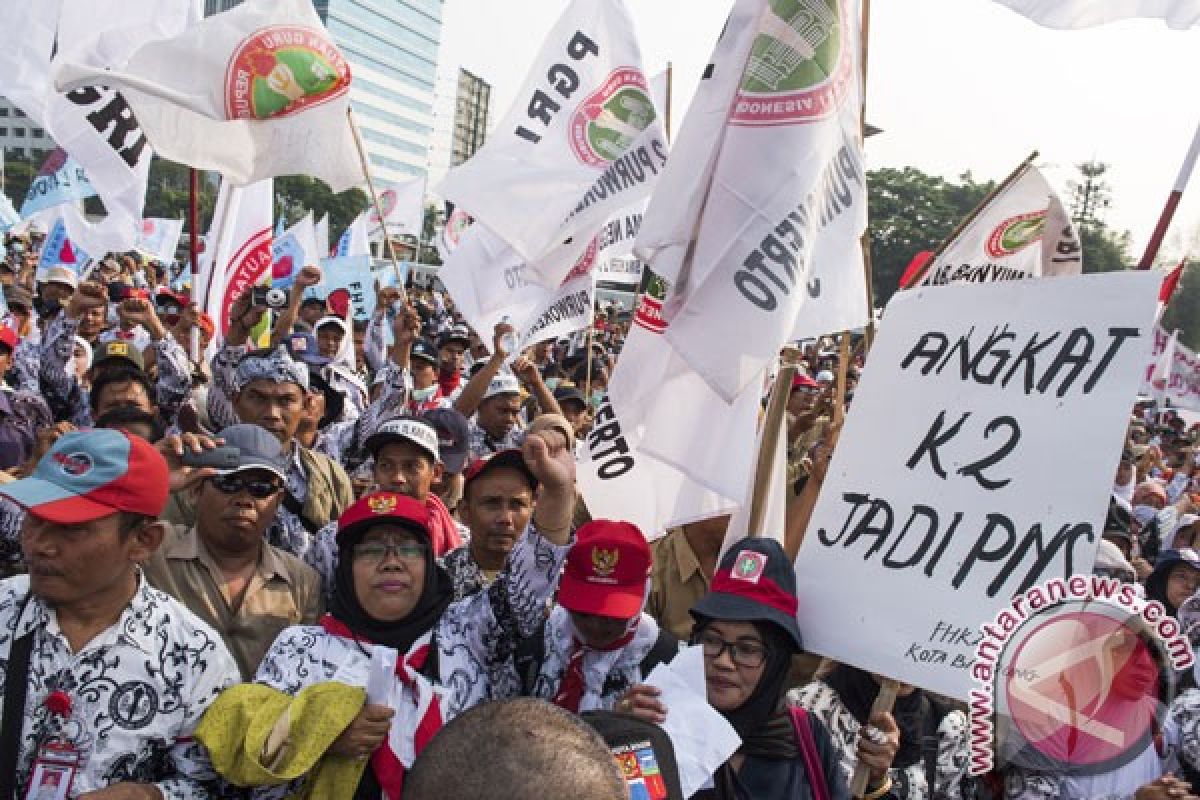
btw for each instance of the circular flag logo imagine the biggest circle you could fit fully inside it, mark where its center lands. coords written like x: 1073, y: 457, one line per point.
x: 387, y: 201
x: 1082, y: 687
x: 610, y: 118
x: 456, y: 225
x: 74, y: 464
x: 282, y: 69
x: 800, y: 67
x: 1016, y: 233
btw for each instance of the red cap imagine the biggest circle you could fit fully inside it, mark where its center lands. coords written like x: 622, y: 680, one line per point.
x: 606, y: 570
x: 8, y: 337
x: 802, y: 381
x: 206, y: 322
x: 381, y: 507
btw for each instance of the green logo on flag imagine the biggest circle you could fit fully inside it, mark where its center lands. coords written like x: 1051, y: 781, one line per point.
x: 281, y: 70
x: 608, y: 120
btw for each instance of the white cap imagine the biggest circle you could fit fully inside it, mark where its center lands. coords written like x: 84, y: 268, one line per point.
x: 504, y: 383
x: 824, y: 376
x: 61, y: 274
x: 420, y: 433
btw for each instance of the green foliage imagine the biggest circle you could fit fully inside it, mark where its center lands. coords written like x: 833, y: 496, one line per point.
x: 1183, y: 312
x: 18, y: 174
x: 911, y: 211
x: 1104, y: 250
x: 295, y: 195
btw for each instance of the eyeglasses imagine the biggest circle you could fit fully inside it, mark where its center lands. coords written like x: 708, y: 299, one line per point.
x: 258, y: 489
x: 750, y: 655
x: 376, y: 552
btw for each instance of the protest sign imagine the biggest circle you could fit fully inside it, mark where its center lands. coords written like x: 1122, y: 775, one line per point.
x: 58, y: 249
x: 352, y: 280
x: 977, y: 460
x: 1178, y: 383
x: 8, y: 215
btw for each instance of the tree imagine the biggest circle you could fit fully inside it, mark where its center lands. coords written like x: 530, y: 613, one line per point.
x: 1091, y: 197
x: 18, y: 175
x: 911, y: 211
x: 1183, y: 311
x: 296, y: 195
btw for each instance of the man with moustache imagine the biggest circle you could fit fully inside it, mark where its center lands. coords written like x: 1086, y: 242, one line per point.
x: 222, y: 567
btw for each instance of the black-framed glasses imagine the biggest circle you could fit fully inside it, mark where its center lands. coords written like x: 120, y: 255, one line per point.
x: 748, y: 654
x: 375, y: 552
x: 258, y: 488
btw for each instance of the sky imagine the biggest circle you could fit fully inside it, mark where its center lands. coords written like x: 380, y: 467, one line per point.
x: 955, y: 85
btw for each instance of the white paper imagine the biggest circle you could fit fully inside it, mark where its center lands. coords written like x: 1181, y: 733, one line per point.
x: 380, y: 675
x: 702, y: 738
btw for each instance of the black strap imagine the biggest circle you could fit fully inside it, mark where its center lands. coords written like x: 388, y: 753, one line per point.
x: 293, y: 505
x: 664, y: 649
x: 16, y: 684
x: 528, y: 657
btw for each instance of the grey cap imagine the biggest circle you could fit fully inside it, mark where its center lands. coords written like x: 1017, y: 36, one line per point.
x: 259, y: 450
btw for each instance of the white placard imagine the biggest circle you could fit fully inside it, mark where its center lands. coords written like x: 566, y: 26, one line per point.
x: 977, y: 460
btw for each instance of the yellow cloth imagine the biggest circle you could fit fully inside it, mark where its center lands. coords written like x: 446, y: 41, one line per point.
x: 259, y: 736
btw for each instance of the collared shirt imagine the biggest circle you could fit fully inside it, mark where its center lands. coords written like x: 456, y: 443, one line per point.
x: 287, y: 532
x: 137, y: 689
x: 282, y: 592
x: 465, y: 575
x: 480, y: 443
x: 11, y: 516
x: 676, y: 583
x: 21, y: 414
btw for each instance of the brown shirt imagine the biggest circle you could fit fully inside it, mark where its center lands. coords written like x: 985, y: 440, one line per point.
x: 676, y: 583
x: 284, y: 591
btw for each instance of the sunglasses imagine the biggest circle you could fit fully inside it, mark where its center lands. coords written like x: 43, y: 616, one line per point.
x: 258, y: 488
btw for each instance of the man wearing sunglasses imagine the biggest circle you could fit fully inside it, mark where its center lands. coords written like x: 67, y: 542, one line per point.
x: 223, y: 569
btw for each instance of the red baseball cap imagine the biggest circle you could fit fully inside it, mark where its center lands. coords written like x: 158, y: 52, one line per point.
x: 383, y: 507
x: 8, y: 337
x: 606, y: 570
x: 802, y: 381
x: 87, y: 475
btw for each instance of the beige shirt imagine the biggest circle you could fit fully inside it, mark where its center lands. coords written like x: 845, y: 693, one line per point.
x: 677, y: 582
x: 284, y: 591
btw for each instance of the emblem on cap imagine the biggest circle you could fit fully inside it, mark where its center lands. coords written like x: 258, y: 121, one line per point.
x: 604, y: 562
x: 749, y: 567
x: 384, y: 504
x: 118, y: 349
x: 74, y: 464
x: 299, y: 344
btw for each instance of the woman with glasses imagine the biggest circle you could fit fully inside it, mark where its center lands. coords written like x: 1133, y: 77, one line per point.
x: 1175, y: 578
x: 747, y: 627
x: 390, y: 592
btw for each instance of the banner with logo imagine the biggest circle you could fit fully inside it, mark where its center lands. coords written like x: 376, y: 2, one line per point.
x: 8, y: 215
x: 1173, y: 372
x: 253, y: 92
x: 239, y: 255
x: 293, y: 250
x: 403, y: 208
x: 759, y: 248
x: 160, y: 238
x: 1024, y: 232
x: 58, y: 250
x: 350, y: 281
x: 92, y: 123
x: 1179, y: 14
x: 582, y: 140
x: 60, y: 180
x: 457, y: 222
x: 977, y: 461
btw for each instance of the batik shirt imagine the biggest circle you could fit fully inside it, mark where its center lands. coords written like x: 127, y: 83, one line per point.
x: 27, y: 363
x: 69, y: 400
x: 475, y: 637
x: 481, y: 444
x: 11, y: 517
x: 138, y: 690
x: 909, y: 783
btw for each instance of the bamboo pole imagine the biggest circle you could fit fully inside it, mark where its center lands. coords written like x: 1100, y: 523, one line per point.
x: 975, y: 212
x: 1164, y: 219
x: 868, y: 270
x: 764, y: 469
x: 884, y: 702
x: 362, y: 157
x: 667, y: 111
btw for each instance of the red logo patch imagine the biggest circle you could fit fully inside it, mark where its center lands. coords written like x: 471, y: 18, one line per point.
x: 283, y: 69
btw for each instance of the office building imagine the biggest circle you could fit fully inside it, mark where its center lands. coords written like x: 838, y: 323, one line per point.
x: 21, y: 137
x: 471, y: 113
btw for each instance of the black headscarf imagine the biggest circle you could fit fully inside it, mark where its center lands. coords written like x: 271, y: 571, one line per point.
x: 914, y: 713
x: 436, y: 594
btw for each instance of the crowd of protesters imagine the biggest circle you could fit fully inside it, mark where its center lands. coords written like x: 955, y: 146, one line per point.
x: 205, y: 554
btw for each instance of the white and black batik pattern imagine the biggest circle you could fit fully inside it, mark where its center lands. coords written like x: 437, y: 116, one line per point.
x: 481, y: 444
x: 909, y: 783
x: 137, y: 690
x: 465, y: 575
x: 11, y: 517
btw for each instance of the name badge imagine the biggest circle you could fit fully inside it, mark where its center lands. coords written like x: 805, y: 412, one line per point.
x: 53, y: 772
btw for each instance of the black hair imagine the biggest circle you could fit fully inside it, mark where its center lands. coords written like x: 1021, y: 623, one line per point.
x: 523, y: 748
x: 124, y: 416
x: 117, y: 375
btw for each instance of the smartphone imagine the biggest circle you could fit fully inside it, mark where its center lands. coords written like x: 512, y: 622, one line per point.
x: 217, y: 458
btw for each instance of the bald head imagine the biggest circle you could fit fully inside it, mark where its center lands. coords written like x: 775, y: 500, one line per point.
x: 518, y: 749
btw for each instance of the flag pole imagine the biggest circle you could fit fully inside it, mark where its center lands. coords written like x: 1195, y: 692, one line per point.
x: 587, y: 383
x: 868, y: 270
x: 362, y: 157
x: 975, y: 212
x: 193, y: 221
x: 1164, y: 219
x: 764, y: 468
x: 667, y: 112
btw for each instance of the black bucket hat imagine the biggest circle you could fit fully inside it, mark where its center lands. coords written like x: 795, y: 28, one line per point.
x: 754, y: 582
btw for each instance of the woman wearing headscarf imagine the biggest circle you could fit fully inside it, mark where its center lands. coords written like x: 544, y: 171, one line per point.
x: 1175, y: 578
x: 933, y: 737
x: 746, y: 625
x: 389, y: 591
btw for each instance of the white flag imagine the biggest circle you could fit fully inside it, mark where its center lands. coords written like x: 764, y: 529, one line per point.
x: 758, y: 217
x: 93, y: 124
x: 1024, y: 232
x: 582, y: 140
x: 239, y: 252
x: 775, y: 501
x: 322, y: 234
x: 159, y: 238
x: 1179, y: 14
x: 403, y: 209
x: 457, y: 222
x: 354, y: 240
x: 254, y: 92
